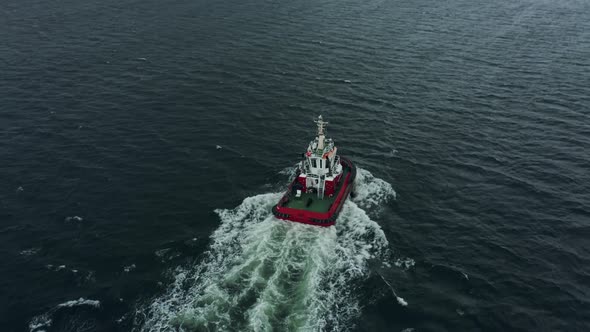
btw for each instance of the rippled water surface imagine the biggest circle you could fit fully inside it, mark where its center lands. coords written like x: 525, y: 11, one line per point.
x: 468, y: 121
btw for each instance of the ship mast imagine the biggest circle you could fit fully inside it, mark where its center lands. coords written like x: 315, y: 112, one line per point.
x: 321, y: 135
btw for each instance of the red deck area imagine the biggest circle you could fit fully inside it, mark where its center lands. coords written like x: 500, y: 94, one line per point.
x: 318, y: 218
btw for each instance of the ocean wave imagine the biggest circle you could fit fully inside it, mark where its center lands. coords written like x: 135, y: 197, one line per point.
x: 261, y: 273
x: 45, y: 320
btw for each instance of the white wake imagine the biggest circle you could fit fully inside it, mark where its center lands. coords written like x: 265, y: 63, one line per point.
x: 263, y: 274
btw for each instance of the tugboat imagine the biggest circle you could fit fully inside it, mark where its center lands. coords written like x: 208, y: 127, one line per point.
x: 323, y: 181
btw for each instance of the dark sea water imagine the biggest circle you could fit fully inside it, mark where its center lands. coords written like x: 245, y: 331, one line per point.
x: 469, y: 121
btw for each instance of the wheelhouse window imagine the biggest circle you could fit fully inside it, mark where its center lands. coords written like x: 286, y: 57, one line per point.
x: 314, y: 163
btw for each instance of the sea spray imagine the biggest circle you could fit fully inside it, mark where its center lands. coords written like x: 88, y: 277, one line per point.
x: 370, y: 192
x: 261, y: 273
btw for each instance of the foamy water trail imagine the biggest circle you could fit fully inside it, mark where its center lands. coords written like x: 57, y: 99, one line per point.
x: 263, y: 274
x: 371, y: 191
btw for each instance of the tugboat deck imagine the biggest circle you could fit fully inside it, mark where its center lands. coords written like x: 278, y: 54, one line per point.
x: 321, y: 205
x: 317, y: 205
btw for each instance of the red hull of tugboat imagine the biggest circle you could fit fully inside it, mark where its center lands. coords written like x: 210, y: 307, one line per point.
x: 324, y: 219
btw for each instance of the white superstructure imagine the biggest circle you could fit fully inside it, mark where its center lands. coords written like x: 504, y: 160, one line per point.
x: 321, y: 166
